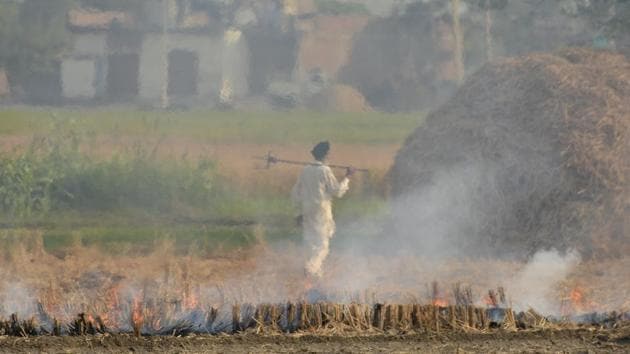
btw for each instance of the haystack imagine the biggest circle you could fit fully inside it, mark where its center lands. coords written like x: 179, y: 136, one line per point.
x: 547, y: 135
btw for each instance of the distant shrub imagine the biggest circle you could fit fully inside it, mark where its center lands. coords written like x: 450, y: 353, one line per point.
x: 53, y: 174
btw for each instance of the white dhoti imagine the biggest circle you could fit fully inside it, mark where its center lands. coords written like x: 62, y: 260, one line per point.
x: 319, y: 228
x: 313, y: 193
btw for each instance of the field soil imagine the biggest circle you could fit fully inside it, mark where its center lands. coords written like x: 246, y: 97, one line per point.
x: 546, y: 341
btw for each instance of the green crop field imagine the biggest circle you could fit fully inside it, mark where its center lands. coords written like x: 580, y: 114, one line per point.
x: 125, y: 196
x: 221, y: 127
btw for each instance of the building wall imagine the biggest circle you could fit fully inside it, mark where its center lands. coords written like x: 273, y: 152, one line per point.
x: 84, y: 71
x: 153, y: 13
x: 90, y: 44
x: 152, y: 69
x: 327, y: 43
x: 78, y: 78
x: 223, y: 63
x: 235, y: 63
x: 218, y: 60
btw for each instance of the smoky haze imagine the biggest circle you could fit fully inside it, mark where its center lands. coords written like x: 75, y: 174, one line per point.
x: 317, y: 55
x: 201, y: 82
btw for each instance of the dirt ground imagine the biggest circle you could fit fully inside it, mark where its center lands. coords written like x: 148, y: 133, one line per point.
x: 546, y: 341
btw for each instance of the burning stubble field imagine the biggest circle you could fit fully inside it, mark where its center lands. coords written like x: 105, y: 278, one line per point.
x: 88, y: 302
x: 155, y: 232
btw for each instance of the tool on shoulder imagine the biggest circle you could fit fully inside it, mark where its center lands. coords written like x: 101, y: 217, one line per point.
x: 270, y: 160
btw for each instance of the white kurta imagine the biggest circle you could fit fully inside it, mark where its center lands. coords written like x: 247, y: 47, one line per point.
x: 313, y: 194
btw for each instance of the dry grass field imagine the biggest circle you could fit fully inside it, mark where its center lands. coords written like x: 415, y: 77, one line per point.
x: 135, y: 268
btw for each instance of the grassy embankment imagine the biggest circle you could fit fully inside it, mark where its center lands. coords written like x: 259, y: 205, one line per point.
x: 116, y: 178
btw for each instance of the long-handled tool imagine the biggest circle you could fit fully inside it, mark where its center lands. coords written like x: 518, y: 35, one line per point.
x: 271, y: 160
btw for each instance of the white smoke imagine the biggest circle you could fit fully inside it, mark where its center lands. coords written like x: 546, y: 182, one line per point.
x: 532, y: 287
x: 430, y: 239
x: 17, y: 299
x: 438, y: 219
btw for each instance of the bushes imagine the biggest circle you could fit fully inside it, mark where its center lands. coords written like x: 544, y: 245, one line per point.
x: 24, y: 187
x: 52, y: 175
x: 136, y: 182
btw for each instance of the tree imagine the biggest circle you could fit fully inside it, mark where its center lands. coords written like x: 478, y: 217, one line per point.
x: 33, y: 35
x: 397, y: 62
x: 608, y: 19
x: 458, y: 34
x: 488, y: 6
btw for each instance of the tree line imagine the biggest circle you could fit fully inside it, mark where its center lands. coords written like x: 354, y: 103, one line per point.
x: 34, y: 33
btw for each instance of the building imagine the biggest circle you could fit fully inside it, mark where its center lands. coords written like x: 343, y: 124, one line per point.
x: 167, y: 55
x: 172, y: 53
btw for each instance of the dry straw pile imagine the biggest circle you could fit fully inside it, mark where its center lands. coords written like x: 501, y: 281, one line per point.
x: 319, y: 318
x: 548, y: 135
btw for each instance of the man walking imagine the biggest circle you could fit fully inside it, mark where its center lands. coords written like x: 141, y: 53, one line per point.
x: 313, y: 194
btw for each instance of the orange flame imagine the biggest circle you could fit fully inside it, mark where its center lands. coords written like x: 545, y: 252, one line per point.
x: 439, y: 302
x: 191, y: 301
x: 111, y: 316
x: 137, y: 316
x: 577, y: 302
x: 436, y: 295
x: 576, y: 296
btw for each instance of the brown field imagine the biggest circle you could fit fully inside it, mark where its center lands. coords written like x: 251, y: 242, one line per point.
x: 83, y: 279
x: 170, y: 285
x: 565, y: 341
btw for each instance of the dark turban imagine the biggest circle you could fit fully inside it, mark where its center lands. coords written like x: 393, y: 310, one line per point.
x: 321, y: 150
